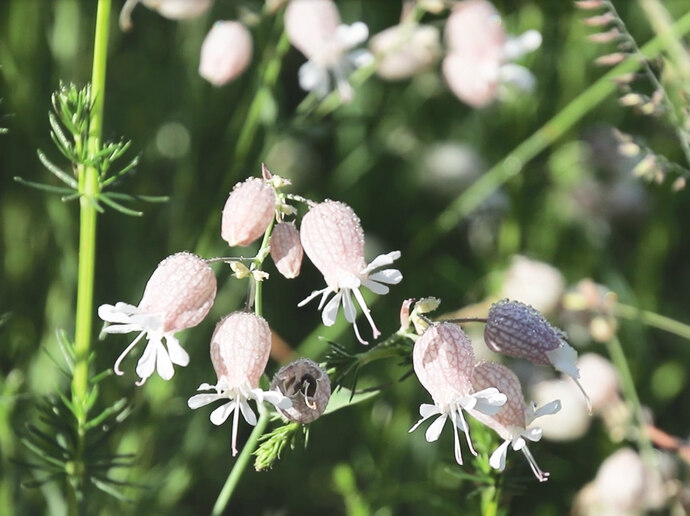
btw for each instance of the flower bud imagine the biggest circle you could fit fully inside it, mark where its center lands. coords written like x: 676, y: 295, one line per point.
x: 247, y: 212
x: 172, y: 9
x: 225, y: 53
x: 307, y: 386
x: 310, y: 25
x: 286, y: 249
x: 405, y: 50
x: 240, y: 347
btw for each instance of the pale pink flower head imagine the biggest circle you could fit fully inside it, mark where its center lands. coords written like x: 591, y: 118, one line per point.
x: 225, y: 53
x: 178, y: 295
x: 314, y: 28
x: 513, y: 418
x: 248, y: 212
x: 443, y: 362
x: 172, y: 9
x: 240, y: 347
x: 518, y: 330
x: 333, y: 239
x: 405, y: 50
x: 479, y: 52
x: 621, y: 483
x: 286, y: 249
x: 599, y: 378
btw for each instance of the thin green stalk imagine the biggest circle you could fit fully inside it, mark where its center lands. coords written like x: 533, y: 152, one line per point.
x: 490, y: 501
x: 652, y: 319
x: 242, y: 461
x: 258, y: 262
x: 555, y: 128
x: 89, y: 189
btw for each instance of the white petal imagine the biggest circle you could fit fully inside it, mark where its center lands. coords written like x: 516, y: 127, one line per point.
x: 533, y: 434
x: 122, y: 328
x: 435, y: 428
x: 366, y: 312
x: 177, y: 354
x: 489, y: 401
x: 164, y: 365
x: 277, y: 399
x: 115, y: 314
x: 523, y: 44
x: 122, y: 356
x: 219, y: 415
x: 389, y: 276
x: 201, y: 400
x: 247, y: 412
x: 313, y: 77
x: 348, y: 306
x: 147, y: 362
x: 459, y: 422
x: 518, y: 76
x: 312, y: 296
x: 330, y: 312
x: 352, y: 35
x: 376, y: 288
x: 381, y: 261
x: 207, y: 387
x: 498, y: 457
x: 360, y: 57
x: 548, y: 409
x: 519, y: 443
x: 426, y: 411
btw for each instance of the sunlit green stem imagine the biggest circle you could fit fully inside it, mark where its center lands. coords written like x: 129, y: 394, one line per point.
x: 241, y: 463
x: 89, y: 188
x: 257, y: 264
x: 652, y: 319
x: 555, y: 128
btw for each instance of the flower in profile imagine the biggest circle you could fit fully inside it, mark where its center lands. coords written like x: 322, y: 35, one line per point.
x: 479, y: 53
x: 333, y: 239
x: 518, y: 330
x: 172, y: 9
x: 443, y: 362
x: 405, y: 50
x: 315, y: 29
x: 248, y: 212
x: 178, y: 295
x: 307, y: 386
x: 286, y: 249
x: 225, y: 53
x: 240, y: 347
x: 513, y: 418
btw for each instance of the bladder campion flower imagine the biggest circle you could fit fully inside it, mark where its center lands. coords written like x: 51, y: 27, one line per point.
x: 405, y: 50
x: 225, y: 53
x: 333, y: 239
x: 518, y: 330
x: 307, y: 386
x: 286, y: 249
x: 314, y: 28
x: 178, y: 295
x: 173, y: 9
x: 240, y: 347
x: 513, y: 418
x: 248, y: 212
x: 443, y: 362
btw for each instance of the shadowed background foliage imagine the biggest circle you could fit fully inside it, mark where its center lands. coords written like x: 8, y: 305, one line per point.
x: 399, y: 154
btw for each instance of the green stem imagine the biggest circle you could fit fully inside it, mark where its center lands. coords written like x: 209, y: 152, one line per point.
x: 652, y: 319
x: 258, y: 263
x: 490, y: 501
x: 555, y: 128
x: 241, y: 464
x: 89, y: 188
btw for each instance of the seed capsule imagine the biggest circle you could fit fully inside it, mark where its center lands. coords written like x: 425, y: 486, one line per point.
x: 307, y: 386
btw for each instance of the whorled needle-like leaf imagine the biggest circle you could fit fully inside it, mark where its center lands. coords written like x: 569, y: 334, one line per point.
x: 109, y: 489
x: 57, y: 171
x: 126, y: 170
x: 113, y: 410
x: 46, y: 188
x: 39, y: 482
x: 133, y: 197
x: 48, y: 441
x: 105, y: 198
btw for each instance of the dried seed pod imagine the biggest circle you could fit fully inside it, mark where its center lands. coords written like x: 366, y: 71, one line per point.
x: 247, y: 212
x: 307, y: 386
x: 286, y: 249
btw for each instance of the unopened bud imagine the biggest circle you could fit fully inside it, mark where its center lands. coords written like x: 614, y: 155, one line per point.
x: 600, y: 20
x: 247, y: 212
x: 631, y: 99
x: 286, y: 249
x: 589, y: 4
x: 645, y: 167
x: 611, y: 59
x: 240, y: 270
x: 605, y: 37
x: 307, y: 386
x: 225, y: 53
x: 172, y: 9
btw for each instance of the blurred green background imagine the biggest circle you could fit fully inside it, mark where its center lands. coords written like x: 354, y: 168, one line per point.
x: 399, y: 154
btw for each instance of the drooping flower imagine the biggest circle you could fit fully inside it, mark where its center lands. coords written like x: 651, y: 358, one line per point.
x: 314, y: 28
x: 405, y: 50
x: 333, y: 239
x: 443, y: 362
x: 240, y: 346
x: 286, y: 249
x: 307, y: 386
x: 518, y: 330
x: 178, y: 295
x: 248, y: 212
x: 479, y: 53
x: 512, y: 420
x: 225, y: 53
x: 172, y: 9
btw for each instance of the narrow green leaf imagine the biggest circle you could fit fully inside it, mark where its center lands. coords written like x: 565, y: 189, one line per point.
x: 46, y: 188
x: 117, y: 206
x: 57, y: 171
x: 49, y: 440
x: 31, y: 484
x: 113, y: 410
x: 100, y: 376
x: 68, y: 404
x: 134, y: 197
x: 108, y: 489
x: 41, y: 453
x: 126, y: 170
x: 66, y: 347
x: 91, y: 398
x: 343, y: 398
x: 58, y: 133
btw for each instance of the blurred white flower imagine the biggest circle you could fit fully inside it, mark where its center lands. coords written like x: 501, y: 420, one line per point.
x: 405, y: 50
x: 533, y: 283
x: 172, y: 9
x: 573, y: 420
x: 225, y: 53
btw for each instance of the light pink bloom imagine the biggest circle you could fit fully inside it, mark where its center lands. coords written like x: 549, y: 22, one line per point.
x: 248, y: 212
x: 333, y: 239
x: 240, y: 347
x: 621, y: 483
x: 513, y: 418
x: 600, y: 379
x: 518, y: 330
x: 405, y: 50
x: 225, y: 53
x: 178, y: 295
x: 172, y: 9
x: 286, y: 249
x: 314, y: 28
x: 480, y: 51
x: 443, y: 362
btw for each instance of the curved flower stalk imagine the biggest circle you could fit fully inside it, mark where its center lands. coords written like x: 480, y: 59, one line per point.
x: 333, y: 239
x: 172, y: 9
x: 178, y: 295
x: 315, y: 29
x: 518, y: 330
x: 512, y: 420
x: 443, y: 361
x: 240, y: 347
x: 480, y: 51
